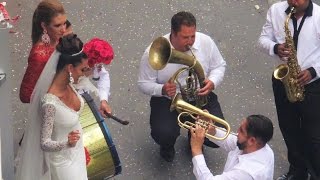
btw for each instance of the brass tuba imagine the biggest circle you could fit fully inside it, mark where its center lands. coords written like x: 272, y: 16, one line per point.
x: 161, y: 54
x: 187, y: 109
x: 288, y: 73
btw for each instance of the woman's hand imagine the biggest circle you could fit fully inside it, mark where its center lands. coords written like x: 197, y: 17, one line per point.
x: 73, y: 138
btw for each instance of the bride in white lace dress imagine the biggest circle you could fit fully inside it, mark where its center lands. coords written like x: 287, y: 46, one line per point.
x: 53, y: 149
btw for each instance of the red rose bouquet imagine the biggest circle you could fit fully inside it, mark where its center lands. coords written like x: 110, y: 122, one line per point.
x: 98, y: 52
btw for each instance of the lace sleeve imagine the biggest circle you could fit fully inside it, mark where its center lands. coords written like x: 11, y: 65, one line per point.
x: 38, y: 58
x: 47, y: 144
x: 30, y: 79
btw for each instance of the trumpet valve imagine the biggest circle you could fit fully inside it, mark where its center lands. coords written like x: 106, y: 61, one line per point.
x: 204, y: 124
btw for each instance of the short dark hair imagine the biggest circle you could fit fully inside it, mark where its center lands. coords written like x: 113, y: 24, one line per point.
x: 182, y: 18
x: 68, y: 46
x: 260, y: 127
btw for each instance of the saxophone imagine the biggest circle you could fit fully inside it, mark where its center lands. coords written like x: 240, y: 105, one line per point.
x: 288, y: 73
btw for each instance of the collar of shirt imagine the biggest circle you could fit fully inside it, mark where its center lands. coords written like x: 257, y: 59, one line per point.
x: 196, y: 44
x: 308, y: 11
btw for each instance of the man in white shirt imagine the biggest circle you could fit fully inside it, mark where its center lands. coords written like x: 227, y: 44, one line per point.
x: 249, y: 157
x: 101, y: 76
x: 164, y: 126
x: 303, y: 117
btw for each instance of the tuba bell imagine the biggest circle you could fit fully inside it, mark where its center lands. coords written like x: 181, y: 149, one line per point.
x: 185, y: 108
x: 161, y: 54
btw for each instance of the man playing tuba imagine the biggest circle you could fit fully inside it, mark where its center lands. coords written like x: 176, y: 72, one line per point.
x: 183, y: 38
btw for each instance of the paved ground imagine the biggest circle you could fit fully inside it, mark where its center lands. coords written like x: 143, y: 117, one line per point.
x: 130, y: 26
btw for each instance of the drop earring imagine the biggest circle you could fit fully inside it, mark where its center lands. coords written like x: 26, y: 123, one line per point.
x: 71, y: 80
x: 45, y: 37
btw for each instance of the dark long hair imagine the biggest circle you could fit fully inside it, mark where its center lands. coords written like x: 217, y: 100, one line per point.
x: 46, y: 10
x: 68, y: 46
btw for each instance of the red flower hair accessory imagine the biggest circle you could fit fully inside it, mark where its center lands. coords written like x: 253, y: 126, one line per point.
x: 98, y: 51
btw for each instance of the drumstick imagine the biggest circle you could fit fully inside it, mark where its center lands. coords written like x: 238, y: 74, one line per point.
x: 116, y: 119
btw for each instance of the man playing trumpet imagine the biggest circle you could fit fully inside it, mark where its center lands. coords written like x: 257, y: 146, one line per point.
x: 183, y: 38
x: 249, y: 155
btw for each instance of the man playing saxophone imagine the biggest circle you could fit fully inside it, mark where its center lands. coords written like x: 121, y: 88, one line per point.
x: 292, y: 32
x: 183, y: 38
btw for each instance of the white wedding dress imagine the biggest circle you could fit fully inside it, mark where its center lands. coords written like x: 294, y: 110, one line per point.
x: 44, y: 153
x: 65, y: 162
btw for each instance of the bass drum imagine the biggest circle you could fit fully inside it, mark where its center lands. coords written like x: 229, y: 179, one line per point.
x: 101, y: 155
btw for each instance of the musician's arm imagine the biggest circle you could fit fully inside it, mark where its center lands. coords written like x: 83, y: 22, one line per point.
x: 147, y: 79
x: 47, y: 144
x: 228, y: 144
x: 104, y: 84
x: 316, y: 67
x: 217, y: 65
x: 104, y: 90
x: 267, y: 40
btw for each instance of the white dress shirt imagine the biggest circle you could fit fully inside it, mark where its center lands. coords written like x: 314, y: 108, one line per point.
x: 206, y: 52
x: 103, y: 84
x: 308, y: 51
x: 258, y: 165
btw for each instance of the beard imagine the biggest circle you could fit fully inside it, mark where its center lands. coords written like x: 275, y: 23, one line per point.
x: 242, y: 145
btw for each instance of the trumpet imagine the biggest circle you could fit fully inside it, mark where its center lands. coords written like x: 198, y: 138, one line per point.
x: 185, y: 108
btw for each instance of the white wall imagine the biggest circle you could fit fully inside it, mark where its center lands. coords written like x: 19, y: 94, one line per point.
x: 6, y: 124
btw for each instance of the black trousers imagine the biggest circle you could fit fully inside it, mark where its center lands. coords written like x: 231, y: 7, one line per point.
x: 164, y: 126
x: 300, y: 126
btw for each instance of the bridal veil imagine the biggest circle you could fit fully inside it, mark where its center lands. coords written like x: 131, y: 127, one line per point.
x: 32, y: 163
